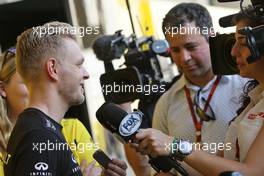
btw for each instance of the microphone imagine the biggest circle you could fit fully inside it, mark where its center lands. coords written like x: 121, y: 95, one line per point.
x: 122, y: 124
x: 102, y: 46
x: 125, y: 126
x: 109, y: 47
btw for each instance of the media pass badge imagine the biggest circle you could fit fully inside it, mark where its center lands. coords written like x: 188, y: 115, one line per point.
x: 130, y: 124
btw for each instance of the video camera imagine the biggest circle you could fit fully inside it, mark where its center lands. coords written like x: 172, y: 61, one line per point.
x: 221, y: 45
x: 142, y: 78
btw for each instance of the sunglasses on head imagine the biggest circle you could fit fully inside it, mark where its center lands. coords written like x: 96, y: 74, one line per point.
x: 201, y: 112
x: 11, y: 52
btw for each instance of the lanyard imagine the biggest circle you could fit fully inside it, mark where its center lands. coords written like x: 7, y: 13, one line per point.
x: 198, y: 124
x: 237, y: 151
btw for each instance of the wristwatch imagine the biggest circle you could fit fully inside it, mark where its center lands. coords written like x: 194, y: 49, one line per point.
x: 180, y: 149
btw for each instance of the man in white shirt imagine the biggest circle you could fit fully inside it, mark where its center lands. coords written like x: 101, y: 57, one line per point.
x: 200, y: 105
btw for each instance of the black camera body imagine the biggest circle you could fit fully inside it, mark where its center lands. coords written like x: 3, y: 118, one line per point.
x: 142, y: 78
x: 220, y: 48
x: 221, y: 45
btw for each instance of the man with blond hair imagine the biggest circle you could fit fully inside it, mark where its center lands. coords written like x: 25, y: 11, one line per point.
x: 51, y: 65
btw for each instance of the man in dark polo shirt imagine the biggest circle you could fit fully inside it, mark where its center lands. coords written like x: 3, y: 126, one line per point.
x: 51, y: 64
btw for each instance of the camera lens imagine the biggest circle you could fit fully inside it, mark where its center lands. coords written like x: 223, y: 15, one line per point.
x: 220, y: 49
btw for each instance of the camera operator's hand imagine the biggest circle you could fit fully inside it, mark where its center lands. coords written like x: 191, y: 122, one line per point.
x: 152, y: 142
x: 115, y: 168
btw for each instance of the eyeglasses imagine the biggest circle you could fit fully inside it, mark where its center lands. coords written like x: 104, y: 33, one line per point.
x: 201, y: 112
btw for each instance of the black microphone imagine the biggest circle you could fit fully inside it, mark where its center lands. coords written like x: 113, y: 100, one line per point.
x: 119, y: 122
x: 109, y: 47
x: 125, y: 126
x: 102, y: 46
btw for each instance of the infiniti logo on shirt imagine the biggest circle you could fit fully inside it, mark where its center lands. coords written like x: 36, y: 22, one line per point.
x: 40, y: 166
x: 73, y: 158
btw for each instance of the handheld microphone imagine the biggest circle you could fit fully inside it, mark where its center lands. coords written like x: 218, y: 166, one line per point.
x: 125, y: 126
x: 101, y: 48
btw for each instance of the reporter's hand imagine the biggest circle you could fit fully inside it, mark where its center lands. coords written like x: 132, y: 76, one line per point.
x: 152, y: 142
x: 116, y: 168
x: 90, y: 169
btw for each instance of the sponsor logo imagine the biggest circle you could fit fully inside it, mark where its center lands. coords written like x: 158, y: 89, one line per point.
x: 73, y: 158
x: 130, y: 124
x: 41, y: 166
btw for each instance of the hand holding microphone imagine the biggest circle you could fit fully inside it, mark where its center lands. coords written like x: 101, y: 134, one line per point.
x: 127, y: 126
x: 153, y: 142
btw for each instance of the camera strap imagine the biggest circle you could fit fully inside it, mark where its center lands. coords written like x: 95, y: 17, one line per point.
x: 198, y: 124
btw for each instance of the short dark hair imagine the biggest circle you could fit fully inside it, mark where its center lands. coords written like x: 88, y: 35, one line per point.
x: 186, y: 13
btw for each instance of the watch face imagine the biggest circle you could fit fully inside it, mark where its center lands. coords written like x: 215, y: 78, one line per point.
x: 185, y: 147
